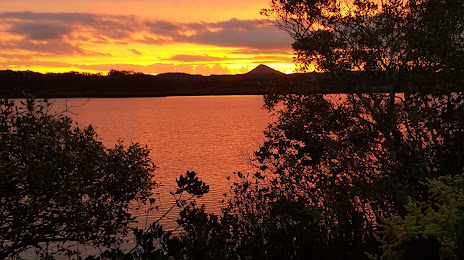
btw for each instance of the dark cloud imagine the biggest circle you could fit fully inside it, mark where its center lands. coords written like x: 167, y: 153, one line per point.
x: 115, y: 29
x: 165, y: 28
x: 239, y: 25
x: 153, y: 41
x: 64, y: 17
x: 257, y: 38
x: 18, y: 57
x: 48, y: 48
x: 40, y: 31
x: 136, y: 52
x: 99, y: 40
x: 232, y: 33
x: 109, y: 26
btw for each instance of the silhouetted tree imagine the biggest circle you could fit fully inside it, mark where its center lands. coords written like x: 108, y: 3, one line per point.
x: 400, y: 39
x: 59, y: 186
x: 331, y: 164
x: 351, y: 156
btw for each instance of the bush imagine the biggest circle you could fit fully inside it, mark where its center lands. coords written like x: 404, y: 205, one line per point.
x: 432, y: 228
x: 59, y: 185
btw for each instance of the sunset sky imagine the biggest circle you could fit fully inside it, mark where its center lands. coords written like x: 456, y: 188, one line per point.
x: 150, y: 36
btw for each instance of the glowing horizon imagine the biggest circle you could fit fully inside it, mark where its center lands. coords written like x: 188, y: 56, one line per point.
x: 148, y: 36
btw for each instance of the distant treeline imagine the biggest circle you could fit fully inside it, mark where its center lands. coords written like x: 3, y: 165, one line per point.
x: 127, y: 84
x: 15, y: 84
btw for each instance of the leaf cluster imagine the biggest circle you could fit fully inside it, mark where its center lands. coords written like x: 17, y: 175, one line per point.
x: 432, y: 228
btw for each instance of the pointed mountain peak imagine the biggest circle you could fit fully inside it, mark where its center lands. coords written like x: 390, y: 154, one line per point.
x: 263, y: 70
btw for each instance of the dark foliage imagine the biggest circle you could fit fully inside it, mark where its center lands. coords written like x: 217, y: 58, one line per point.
x: 59, y: 185
x: 413, y: 43
x: 126, y: 84
x: 332, y: 164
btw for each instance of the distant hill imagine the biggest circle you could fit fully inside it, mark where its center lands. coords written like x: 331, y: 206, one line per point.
x: 263, y: 71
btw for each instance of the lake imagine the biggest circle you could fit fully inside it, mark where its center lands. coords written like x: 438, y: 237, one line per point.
x: 211, y: 135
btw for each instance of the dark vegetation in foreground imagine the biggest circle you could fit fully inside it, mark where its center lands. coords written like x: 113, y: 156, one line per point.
x: 339, y: 177
x: 364, y: 175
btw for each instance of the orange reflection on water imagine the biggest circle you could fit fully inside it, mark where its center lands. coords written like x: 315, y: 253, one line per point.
x: 211, y: 135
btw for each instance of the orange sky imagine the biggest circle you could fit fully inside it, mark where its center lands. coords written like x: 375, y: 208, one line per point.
x: 151, y: 36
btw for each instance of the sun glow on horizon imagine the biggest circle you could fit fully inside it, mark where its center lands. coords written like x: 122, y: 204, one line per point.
x: 96, y: 37
x: 231, y: 70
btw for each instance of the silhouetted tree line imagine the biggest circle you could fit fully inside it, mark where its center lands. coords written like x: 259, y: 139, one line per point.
x: 125, y: 84
x: 22, y: 84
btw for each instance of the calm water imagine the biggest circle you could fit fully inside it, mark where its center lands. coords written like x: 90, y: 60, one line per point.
x: 211, y: 135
